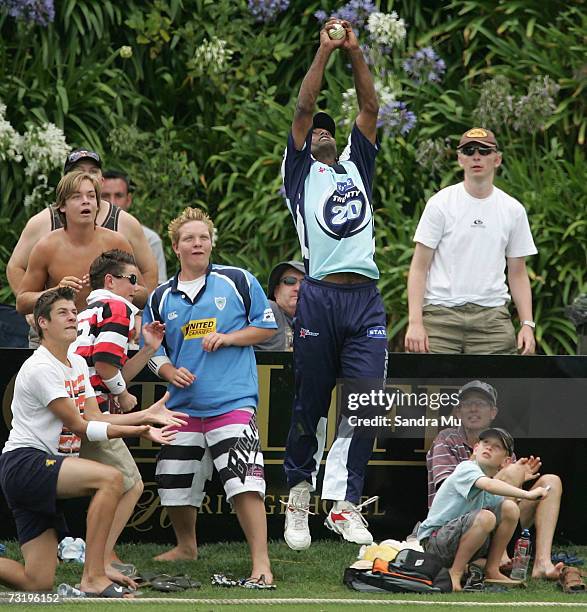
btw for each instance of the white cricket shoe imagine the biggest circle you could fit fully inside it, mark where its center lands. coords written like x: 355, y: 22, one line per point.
x: 296, y: 532
x: 346, y: 520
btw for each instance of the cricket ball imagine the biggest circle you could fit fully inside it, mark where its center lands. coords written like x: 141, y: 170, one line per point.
x: 336, y: 32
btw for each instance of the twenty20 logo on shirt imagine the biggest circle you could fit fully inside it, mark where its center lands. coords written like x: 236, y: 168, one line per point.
x: 346, y: 212
x: 198, y: 328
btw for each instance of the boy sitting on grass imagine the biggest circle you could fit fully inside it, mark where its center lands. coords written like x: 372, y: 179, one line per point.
x: 469, y: 519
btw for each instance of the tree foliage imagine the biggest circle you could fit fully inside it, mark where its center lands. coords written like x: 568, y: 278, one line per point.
x: 194, y: 99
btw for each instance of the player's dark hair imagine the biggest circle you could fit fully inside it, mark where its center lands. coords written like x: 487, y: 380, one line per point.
x: 45, y: 302
x: 110, y: 262
x: 117, y: 174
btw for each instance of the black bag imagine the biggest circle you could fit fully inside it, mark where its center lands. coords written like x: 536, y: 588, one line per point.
x: 410, y: 572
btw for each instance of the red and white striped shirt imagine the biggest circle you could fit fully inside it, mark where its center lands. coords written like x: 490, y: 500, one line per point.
x: 104, y: 329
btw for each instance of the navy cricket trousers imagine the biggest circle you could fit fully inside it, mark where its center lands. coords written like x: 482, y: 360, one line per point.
x: 339, y: 332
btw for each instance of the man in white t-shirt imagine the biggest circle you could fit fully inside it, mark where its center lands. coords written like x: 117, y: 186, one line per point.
x: 51, y: 393
x: 468, y: 234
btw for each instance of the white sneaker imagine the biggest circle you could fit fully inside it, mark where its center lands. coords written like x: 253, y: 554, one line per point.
x: 296, y: 532
x: 350, y: 523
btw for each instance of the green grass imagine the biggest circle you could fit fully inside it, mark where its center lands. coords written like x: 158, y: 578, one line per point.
x: 315, y: 573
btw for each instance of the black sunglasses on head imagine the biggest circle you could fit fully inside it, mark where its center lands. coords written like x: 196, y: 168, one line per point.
x: 132, y: 278
x: 469, y: 150
x: 290, y: 280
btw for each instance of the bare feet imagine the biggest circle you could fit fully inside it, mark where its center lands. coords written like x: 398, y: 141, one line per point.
x: 497, y: 575
x: 115, y: 576
x: 455, y: 578
x: 266, y: 574
x: 548, y: 571
x: 177, y: 554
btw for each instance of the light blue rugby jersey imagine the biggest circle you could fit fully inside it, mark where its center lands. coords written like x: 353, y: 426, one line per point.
x: 226, y: 379
x: 331, y: 206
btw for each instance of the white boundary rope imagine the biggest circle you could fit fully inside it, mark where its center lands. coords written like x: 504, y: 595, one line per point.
x: 313, y: 601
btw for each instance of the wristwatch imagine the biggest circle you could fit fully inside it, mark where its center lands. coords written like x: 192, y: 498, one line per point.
x: 529, y: 324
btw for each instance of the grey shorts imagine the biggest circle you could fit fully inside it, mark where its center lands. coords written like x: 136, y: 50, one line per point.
x: 444, y: 542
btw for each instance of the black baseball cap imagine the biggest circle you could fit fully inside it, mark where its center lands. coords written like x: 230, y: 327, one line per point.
x: 77, y: 155
x: 325, y: 122
x: 480, y: 387
x: 276, y: 273
x: 502, y: 435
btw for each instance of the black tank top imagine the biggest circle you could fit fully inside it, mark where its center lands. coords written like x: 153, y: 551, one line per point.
x: 111, y: 221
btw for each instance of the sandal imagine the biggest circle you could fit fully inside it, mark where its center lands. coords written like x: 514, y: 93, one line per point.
x: 566, y: 558
x: 257, y: 583
x: 126, y: 569
x: 112, y: 591
x: 223, y: 580
x: 570, y: 580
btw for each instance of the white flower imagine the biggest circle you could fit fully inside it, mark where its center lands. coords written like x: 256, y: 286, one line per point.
x: 44, y: 148
x: 10, y: 139
x: 211, y: 57
x: 41, y: 193
x: 386, y: 29
x: 125, y: 52
x: 386, y: 95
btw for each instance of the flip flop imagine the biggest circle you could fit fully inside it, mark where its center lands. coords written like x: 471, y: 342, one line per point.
x: 257, y: 583
x: 223, y: 580
x: 165, y: 584
x: 567, y: 559
x: 126, y: 569
x: 172, y: 584
x: 185, y: 582
x: 112, y: 591
x: 570, y: 580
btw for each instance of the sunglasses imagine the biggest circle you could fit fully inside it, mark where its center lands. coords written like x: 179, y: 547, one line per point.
x: 290, y: 280
x: 76, y: 155
x: 475, y: 404
x: 132, y: 278
x: 469, y: 151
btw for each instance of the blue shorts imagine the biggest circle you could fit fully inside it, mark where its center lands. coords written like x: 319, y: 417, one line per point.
x: 28, y: 478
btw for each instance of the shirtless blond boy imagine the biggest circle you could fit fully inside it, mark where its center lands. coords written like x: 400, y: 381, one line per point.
x: 63, y: 257
x: 108, y: 216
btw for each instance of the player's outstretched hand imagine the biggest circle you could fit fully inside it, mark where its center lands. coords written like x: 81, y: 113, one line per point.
x: 166, y: 435
x: 212, y: 342
x: 325, y: 40
x: 531, y: 467
x: 182, y: 378
x: 158, y: 414
x: 153, y: 334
